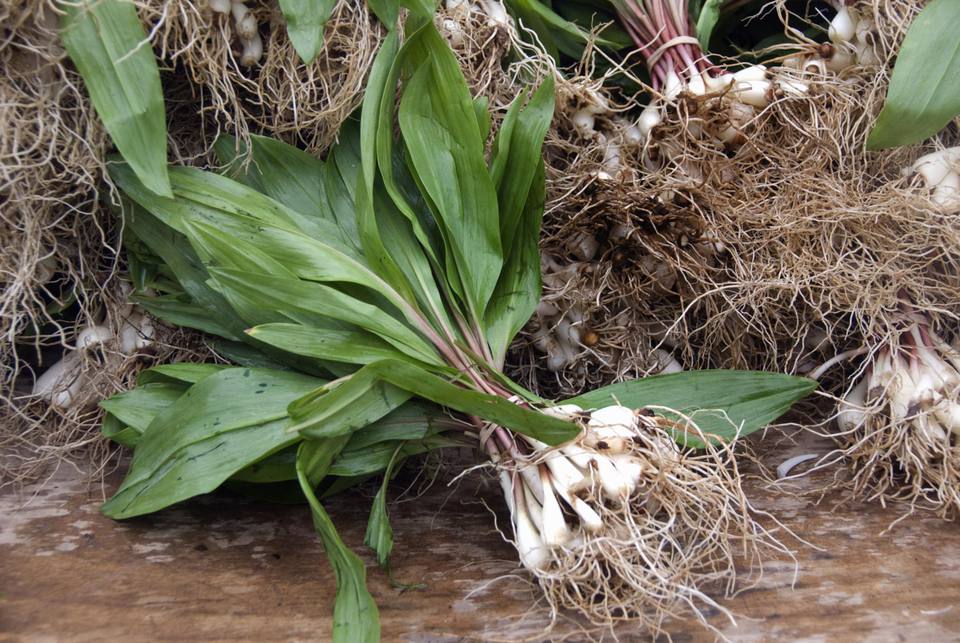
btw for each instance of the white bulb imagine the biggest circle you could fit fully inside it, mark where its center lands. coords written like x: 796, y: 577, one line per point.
x: 650, y: 117
x: 93, y: 336
x: 614, y: 417
x: 583, y: 122
x: 533, y: 553
x: 843, y: 27
x: 754, y: 72
x: 555, y: 530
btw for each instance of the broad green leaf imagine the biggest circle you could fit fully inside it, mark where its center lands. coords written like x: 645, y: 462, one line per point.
x: 277, y: 467
x: 414, y: 420
x: 113, y: 429
x: 706, y: 21
x: 379, y: 534
x: 382, y: 260
x: 517, y: 155
x: 177, y: 254
x: 388, y: 11
x: 444, y: 145
x: 923, y: 95
x: 724, y: 404
x: 411, y: 424
x: 420, y: 8
x: 518, y: 291
x: 391, y: 229
x: 206, y: 196
x: 138, y: 407
x: 291, y: 295
x: 314, y: 457
x: 375, y: 459
x: 182, y: 372
x: 345, y: 406
x: 355, y: 616
x: 111, y: 51
x: 517, y: 171
x: 296, y: 179
x: 219, y: 426
x: 488, y: 407
x: 350, y: 346
x: 481, y: 107
x: 180, y: 313
x: 305, y: 22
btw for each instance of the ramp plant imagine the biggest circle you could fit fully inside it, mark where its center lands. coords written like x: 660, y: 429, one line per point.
x: 369, y: 301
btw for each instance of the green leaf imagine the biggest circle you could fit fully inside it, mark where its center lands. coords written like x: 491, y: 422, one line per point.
x: 314, y: 457
x: 305, y: 22
x: 517, y: 171
x: 481, y: 107
x: 291, y: 295
x: 923, y: 95
x: 706, y: 21
x: 517, y: 154
x: 177, y: 254
x: 724, y: 404
x: 518, y: 291
x: 414, y: 420
x: 219, y: 426
x: 440, y: 129
x: 113, y: 429
x: 355, y: 616
x: 552, y: 29
x: 489, y: 407
x: 138, y: 407
x: 374, y: 459
x: 388, y: 11
x: 276, y: 467
x: 180, y: 313
x: 110, y: 49
x: 185, y: 372
x: 350, y: 346
x: 420, y: 8
x: 379, y: 534
x: 345, y: 406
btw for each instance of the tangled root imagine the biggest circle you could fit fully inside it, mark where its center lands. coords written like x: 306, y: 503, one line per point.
x: 56, y: 238
x: 898, y: 424
x: 279, y: 95
x: 891, y: 461
x: 775, y: 249
x: 664, y: 552
x: 51, y: 151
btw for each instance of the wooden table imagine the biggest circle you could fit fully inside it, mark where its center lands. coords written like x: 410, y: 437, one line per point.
x: 224, y: 568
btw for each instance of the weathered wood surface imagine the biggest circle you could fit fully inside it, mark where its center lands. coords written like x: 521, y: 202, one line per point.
x: 222, y: 568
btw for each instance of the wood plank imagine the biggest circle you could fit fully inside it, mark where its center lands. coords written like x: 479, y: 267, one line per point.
x: 225, y: 568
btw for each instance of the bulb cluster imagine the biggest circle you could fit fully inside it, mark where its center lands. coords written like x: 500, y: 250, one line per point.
x: 61, y: 385
x: 940, y: 172
x: 562, y: 333
x: 245, y: 26
x: 913, y: 384
x: 460, y: 12
x: 558, y: 495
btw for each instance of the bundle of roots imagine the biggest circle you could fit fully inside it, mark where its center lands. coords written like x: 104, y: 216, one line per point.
x: 244, y: 75
x: 738, y: 221
x: 623, y: 525
x: 899, y: 420
x: 61, y: 259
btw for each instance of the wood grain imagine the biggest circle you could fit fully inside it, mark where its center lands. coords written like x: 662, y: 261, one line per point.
x: 226, y: 568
